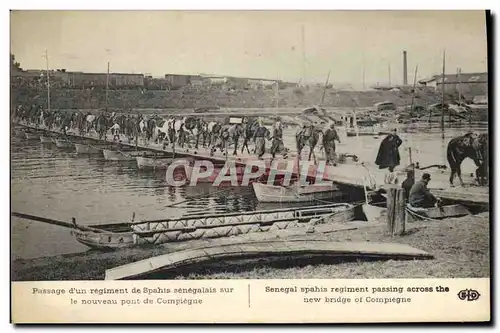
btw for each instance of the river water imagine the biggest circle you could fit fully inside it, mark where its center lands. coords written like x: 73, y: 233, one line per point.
x: 59, y: 184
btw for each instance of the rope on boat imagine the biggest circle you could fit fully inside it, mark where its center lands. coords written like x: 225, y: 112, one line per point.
x: 419, y: 216
x: 159, y: 233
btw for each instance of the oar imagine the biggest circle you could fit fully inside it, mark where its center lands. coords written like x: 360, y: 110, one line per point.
x: 55, y: 222
x: 439, y: 166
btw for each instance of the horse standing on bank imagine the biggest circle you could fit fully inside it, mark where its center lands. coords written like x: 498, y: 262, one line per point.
x: 471, y: 146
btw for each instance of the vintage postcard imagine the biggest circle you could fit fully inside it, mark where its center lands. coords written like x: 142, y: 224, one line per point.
x: 249, y: 166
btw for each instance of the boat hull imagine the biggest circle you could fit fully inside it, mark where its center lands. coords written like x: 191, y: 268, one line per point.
x: 435, y: 213
x: 233, y: 224
x: 105, y: 240
x: 374, y: 214
x: 31, y: 136
x: 375, y: 133
x: 113, y: 155
x: 63, y: 144
x: 292, y: 193
x: 87, y: 149
x: 153, y: 163
x: 19, y: 133
x: 157, y: 232
x: 46, y: 139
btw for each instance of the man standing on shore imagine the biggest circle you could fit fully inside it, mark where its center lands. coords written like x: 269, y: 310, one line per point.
x: 388, y: 153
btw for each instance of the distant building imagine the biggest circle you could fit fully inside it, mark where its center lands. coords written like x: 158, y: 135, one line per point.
x: 199, y: 81
x: 178, y: 80
x: 217, y: 81
x: 469, y: 84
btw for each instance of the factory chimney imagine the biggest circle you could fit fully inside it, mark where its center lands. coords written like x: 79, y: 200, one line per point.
x: 405, y: 69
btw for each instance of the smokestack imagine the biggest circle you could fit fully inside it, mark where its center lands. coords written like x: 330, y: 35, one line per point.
x: 405, y: 69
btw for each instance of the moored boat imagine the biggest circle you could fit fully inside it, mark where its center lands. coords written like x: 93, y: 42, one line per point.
x: 87, y: 149
x: 31, y: 135
x: 118, y: 155
x: 373, y: 213
x: 185, y: 228
x: 63, y: 143
x: 153, y: 163
x: 435, y: 213
x: 113, y: 236
x: 364, y: 132
x: 296, y: 192
x: 46, y: 139
x: 233, y: 224
x: 19, y: 133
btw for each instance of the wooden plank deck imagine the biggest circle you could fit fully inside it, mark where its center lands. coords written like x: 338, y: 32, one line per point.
x: 269, y: 250
x: 351, y: 173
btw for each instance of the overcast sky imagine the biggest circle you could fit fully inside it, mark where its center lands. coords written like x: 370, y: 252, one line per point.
x: 254, y: 43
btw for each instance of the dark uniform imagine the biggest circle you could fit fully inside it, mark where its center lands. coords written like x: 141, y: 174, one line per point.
x: 408, y: 183
x: 260, y: 140
x: 277, y: 143
x: 329, y: 138
x: 420, y: 196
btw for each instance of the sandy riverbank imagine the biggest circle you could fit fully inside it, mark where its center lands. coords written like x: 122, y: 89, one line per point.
x: 460, y: 247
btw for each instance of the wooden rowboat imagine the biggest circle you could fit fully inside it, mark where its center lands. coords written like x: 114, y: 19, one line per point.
x: 113, y: 236
x: 153, y: 163
x: 46, y: 139
x: 31, y: 135
x: 364, y: 133
x: 63, y: 143
x: 435, y: 213
x: 118, y: 155
x: 157, y: 232
x: 296, y: 192
x: 87, y: 149
x: 374, y: 214
x: 19, y: 133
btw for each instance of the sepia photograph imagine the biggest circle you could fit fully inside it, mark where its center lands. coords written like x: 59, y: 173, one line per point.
x: 230, y: 145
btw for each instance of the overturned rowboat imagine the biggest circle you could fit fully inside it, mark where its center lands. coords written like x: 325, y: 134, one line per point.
x: 243, y: 253
x: 296, y: 192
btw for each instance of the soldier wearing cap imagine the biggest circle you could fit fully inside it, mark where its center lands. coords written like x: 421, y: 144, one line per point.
x: 420, y: 196
x: 277, y: 139
x: 329, y: 137
x: 259, y: 137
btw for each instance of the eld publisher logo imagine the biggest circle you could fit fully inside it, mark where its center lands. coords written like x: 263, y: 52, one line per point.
x: 468, y: 295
